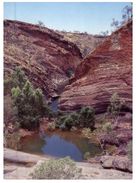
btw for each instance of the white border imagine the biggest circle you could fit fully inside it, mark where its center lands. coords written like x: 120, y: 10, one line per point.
x: 1, y: 93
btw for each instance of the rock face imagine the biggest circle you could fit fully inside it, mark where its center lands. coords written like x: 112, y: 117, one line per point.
x: 85, y: 42
x: 20, y: 165
x: 116, y: 162
x: 43, y: 54
x: 106, y: 71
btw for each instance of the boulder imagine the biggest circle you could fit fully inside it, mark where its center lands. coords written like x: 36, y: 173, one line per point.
x: 106, y: 161
x: 116, y: 162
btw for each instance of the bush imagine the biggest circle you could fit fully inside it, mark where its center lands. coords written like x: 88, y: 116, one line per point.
x: 87, y: 155
x: 12, y: 140
x: 18, y: 78
x: 87, y: 117
x: 51, y: 126
x: 69, y: 72
x: 29, y: 102
x: 60, y: 121
x: 68, y: 121
x: 75, y: 118
x: 86, y: 132
x: 116, y: 104
x: 107, y: 127
x: 63, y: 168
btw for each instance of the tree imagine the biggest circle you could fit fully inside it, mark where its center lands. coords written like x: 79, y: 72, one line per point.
x: 30, y: 104
x: 87, y: 117
x: 67, y: 121
x: 69, y: 72
x: 18, y: 77
x: 127, y: 13
x: 115, y: 106
x: 41, y: 24
x: 115, y: 23
x: 104, y: 33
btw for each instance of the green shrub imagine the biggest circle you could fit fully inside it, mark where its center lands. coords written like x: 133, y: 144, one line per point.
x: 68, y: 121
x: 75, y: 118
x: 63, y: 168
x: 86, y: 132
x: 12, y: 140
x: 51, y: 126
x: 87, y: 155
x: 29, y: 102
x: 87, y: 117
x: 107, y: 127
x: 18, y: 78
x: 60, y: 121
x: 69, y: 72
x: 116, y: 104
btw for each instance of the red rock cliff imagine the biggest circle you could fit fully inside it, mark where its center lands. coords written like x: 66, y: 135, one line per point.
x: 106, y: 71
x: 42, y: 53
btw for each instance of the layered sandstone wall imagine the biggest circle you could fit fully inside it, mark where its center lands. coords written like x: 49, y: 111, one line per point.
x: 106, y: 71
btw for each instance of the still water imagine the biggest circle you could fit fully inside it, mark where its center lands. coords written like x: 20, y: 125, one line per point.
x: 60, y: 144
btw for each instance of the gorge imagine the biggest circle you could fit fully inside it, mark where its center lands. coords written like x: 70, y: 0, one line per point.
x: 72, y: 78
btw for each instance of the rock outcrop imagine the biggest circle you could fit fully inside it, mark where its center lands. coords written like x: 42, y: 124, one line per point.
x: 106, y: 71
x: 117, y: 162
x: 84, y: 41
x: 44, y: 55
x: 20, y: 165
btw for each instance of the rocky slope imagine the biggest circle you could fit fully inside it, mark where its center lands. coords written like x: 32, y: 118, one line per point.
x: 106, y: 71
x: 20, y: 165
x: 85, y: 42
x: 44, y: 55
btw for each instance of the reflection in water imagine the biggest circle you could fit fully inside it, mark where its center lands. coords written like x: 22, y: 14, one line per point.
x: 33, y: 144
x: 57, y: 146
x: 60, y: 144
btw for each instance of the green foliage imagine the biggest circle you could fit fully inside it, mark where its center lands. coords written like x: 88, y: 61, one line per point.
x: 51, y: 126
x: 75, y: 118
x: 41, y: 24
x: 115, y: 106
x: 15, y: 92
x: 107, y: 127
x: 69, y: 72
x: 87, y: 155
x: 18, y: 78
x: 12, y: 140
x: 86, y: 132
x: 67, y: 121
x: 29, y: 102
x: 127, y: 15
x: 63, y: 168
x: 87, y: 117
